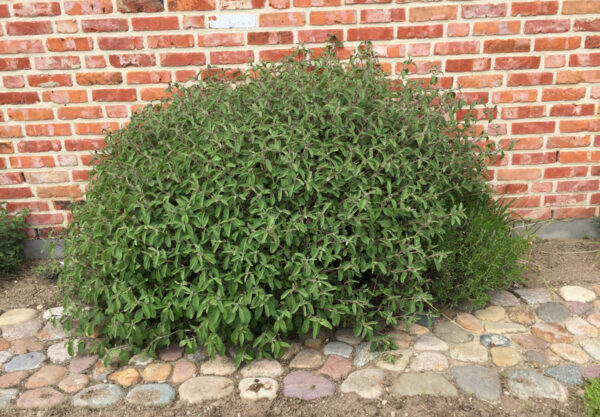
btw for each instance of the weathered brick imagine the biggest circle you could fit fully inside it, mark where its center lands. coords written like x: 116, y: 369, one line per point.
x: 170, y: 41
x: 547, y: 26
x: 568, y: 141
x: 581, y: 7
x: 29, y: 97
x: 140, y: 6
x: 13, y: 64
x: 43, y: 177
x: 13, y: 81
x: 510, y: 27
x: 495, y: 46
x: 125, y: 94
x: 175, y: 59
x: 31, y: 161
x: 467, y: 65
x: 30, y: 114
x: 528, y: 112
x: 58, y: 191
x: 221, y: 39
x: 534, y: 158
x: 57, y: 62
x: 557, y: 44
x: 79, y: 112
x: 370, y: 33
x: 534, y: 8
x: 382, y: 15
x: 104, y: 25
x: 562, y: 94
x: 230, y: 57
x: 85, y: 7
x: 69, y: 44
x: 155, y: 23
x: 39, y: 145
x: 25, y: 46
x: 121, y: 43
x: 148, y: 77
x: 84, y: 144
x: 96, y: 128
x: 483, y: 10
x: 282, y: 37
x: 517, y: 62
x: 426, y: 13
x: 185, y: 5
x: 15, y: 192
x: 527, y: 128
x: 456, y: 48
x: 529, y: 78
x: 420, y: 31
x: 332, y: 17
x: 98, y: 78
x: 36, y: 9
x: 132, y: 60
x: 21, y: 28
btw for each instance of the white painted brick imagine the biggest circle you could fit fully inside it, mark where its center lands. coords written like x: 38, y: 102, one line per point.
x: 232, y: 21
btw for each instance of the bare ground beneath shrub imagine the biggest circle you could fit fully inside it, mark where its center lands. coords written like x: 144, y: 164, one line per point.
x: 558, y: 262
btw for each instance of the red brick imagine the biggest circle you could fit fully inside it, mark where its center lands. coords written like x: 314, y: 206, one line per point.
x: 279, y: 4
x: 132, y: 60
x: 79, y: 112
x: 221, y: 39
x: 529, y: 78
x: 57, y: 62
x: 98, y: 78
x: 581, y: 7
x: 10, y: 178
x: 15, y: 192
x: 334, y: 17
x: 562, y: 94
x: 148, y: 77
x: 368, y: 1
x: 24, y: 46
x: 535, y: 8
x: 275, y: 54
x: 534, y: 158
x: 185, y: 75
x: 382, y: 15
x: 458, y: 29
x: 140, y: 6
x: 95, y: 61
x: 517, y: 62
x: 420, y: 31
x: 6, y: 148
x: 13, y: 64
x: 473, y: 97
x: 39, y: 145
x: 480, y: 81
x: 104, y: 25
x: 511, y: 188
x: 84, y: 7
x: 39, y: 27
x: 509, y: 113
x: 13, y: 81
x: 575, y: 125
x: 483, y: 10
x: 116, y: 111
x: 30, y: 205
x: 58, y: 191
x: 69, y: 44
x: 514, y: 96
x: 510, y: 27
x: 283, y: 37
x: 419, y: 49
x: 30, y: 114
x: 547, y: 26
x: 557, y: 44
x: 592, y: 42
x: 153, y: 93
x: 526, y: 128
x: 554, y: 61
x: 426, y: 13
x: 585, y: 60
x: 193, y: 22
x: 370, y: 33
x: 495, y: 46
x: 126, y: 94
x: 186, y: 5
x: 31, y: 161
x: 81, y: 175
x: 565, y: 172
x: 176, y: 59
x: 591, y: 25
x: 29, y: 97
x: 170, y: 41
x: 568, y: 141
x: 574, y: 186
x: 525, y: 201
x: 36, y: 9
x: 509, y: 174
x: 97, y: 128
x: 49, y: 129
x: 38, y: 177
x: 528, y: 143
x: 321, y: 3
x: 43, y: 219
x: 564, y: 199
x: 230, y: 57
x: 296, y: 18
x: 567, y: 157
x: 121, y: 43
x: 155, y: 23
x: 456, y: 48
x: 66, y: 26
x: 572, y: 110
x: 468, y: 65
x: 85, y: 144
x: 574, y: 212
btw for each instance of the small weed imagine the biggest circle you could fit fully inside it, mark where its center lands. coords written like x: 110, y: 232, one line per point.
x: 591, y: 398
x: 49, y: 269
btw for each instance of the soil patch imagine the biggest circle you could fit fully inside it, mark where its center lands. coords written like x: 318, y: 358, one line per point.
x: 339, y: 405
x: 23, y: 289
x: 562, y: 262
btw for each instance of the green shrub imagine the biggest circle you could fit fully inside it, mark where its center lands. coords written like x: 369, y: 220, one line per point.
x: 12, y: 234
x: 309, y: 195
x: 48, y: 269
x: 591, y: 398
x: 483, y: 255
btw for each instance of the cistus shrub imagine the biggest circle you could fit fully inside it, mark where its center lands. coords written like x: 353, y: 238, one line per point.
x: 306, y: 193
x: 12, y: 235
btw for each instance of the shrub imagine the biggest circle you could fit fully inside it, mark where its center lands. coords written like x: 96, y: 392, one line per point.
x: 483, y: 255
x: 12, y: 234
x: 49, y: 269
x: 307, y: 196
x: 591, y: 398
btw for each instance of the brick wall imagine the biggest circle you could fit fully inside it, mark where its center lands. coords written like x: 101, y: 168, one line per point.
x: 73, y: 69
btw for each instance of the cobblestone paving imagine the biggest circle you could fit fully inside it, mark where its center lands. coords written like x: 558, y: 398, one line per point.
x: 540, y: 344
